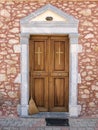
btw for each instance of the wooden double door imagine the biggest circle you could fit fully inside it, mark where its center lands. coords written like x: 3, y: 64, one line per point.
x: 49, y: 72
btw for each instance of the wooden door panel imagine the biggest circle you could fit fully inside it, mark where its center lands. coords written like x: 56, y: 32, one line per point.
x: 59, y: 73
x: 39, y: 56
x: 59, y: 56
x: 39, y: 71
x: 39, y: 90
x: 59, y: 94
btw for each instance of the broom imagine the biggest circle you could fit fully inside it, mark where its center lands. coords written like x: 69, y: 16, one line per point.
x: 32, y: 106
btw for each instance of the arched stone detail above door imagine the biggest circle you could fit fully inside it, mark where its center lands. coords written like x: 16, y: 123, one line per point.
x: 66, y: 24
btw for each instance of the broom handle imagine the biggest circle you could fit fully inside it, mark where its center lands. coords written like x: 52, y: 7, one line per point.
x: 30, y: 84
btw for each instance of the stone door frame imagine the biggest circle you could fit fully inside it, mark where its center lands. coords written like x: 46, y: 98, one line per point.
x: 44, y: 28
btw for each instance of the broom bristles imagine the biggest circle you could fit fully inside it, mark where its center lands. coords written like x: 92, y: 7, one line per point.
x: 32, y: 107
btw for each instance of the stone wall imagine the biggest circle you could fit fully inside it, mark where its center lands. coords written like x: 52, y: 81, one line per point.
x: 10, y: 15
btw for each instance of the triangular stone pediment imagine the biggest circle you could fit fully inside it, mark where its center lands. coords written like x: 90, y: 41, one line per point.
x: 49, y: 13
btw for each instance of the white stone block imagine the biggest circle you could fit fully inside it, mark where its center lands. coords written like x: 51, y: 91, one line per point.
x: 15, y: 30
x: 74, y: 48
x: 74, y: 110
x: 4, y: 13
x: 24, y: 110
x: 3, y: 77
x: 13, y: 41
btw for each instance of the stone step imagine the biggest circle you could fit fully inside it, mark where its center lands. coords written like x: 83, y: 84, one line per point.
x: 35, y: 128
x: 40, y: 124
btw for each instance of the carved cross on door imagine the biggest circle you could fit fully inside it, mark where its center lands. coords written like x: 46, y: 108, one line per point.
x: 59, y: 52
x: 38, y: 53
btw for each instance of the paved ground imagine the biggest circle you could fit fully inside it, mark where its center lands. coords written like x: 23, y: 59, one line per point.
x: 40, y: 124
